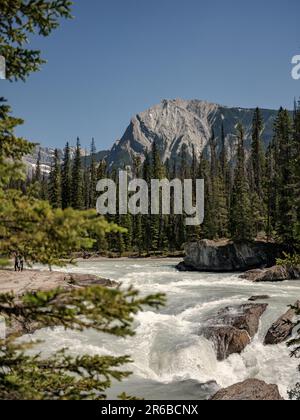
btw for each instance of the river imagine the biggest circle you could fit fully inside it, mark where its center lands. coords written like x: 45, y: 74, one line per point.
x: 171, y: 360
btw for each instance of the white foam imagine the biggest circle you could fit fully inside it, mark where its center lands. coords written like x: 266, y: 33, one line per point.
x: 166, y: 347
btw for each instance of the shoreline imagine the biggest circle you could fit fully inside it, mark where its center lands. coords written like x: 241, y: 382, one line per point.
x: 28, y: 281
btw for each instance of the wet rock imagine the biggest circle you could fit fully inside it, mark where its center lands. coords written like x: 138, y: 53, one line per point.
x: 225, y: 256
x: 259, y: 297
x: 227, y: 340
x: 233, y: 328
x: 272, y: 274
x: 282, y: 329
x: 249, y: 390
x: 85, y: 280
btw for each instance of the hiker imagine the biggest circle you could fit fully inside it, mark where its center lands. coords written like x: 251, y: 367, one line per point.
x: 16, y: 262
x: 19, y: 263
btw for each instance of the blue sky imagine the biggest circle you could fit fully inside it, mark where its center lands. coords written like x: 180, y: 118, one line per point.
x: 119, y: 57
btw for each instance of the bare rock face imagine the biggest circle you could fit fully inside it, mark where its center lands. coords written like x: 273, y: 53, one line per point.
x: 282, y: 329
x: 225, y: 256
x: 249, y: 390
x: 233, y: 328
x: 173, y: 124
x: 272, y: 274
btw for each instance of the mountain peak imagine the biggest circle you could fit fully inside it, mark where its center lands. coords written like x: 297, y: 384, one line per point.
x: 176, y: 122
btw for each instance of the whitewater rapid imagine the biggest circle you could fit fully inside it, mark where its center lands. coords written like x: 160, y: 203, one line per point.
x: 171, y: 359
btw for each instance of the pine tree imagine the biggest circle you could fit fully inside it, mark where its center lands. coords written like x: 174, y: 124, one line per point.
x: 147, y: 219
x: 55, y: 182
x: 256, y: 173
x: 77, y: 180
x: 286, y: 218
x: 38, y: 172
x: 93, y: 176
x: 66, y: 178
x: 257, y: 152
x: 241, y: 223
x: 157, y: 173
x: 86, y: 182
x: 296, y: 151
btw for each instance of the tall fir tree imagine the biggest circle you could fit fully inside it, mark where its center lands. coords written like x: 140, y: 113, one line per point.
x: 38, y: 171
x: 287, y: 215
x: 256, y: 173
x: 93, y: 176
x: 55, y: 182
x: 77, y: 200
x: 241, y: 222
x: 66, y: 178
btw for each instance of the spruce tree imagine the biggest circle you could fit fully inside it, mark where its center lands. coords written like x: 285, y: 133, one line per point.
x: 157, y: 173
x: 241, y: 223
x: 77, y: 180
x: 66, y: 178
x: 93, y: 176
x: 38, y: 172
x: 55, y: 182
x: 256, y: 173
x: 86, y: 182
x: 287, y: 216
x: 257, y: 152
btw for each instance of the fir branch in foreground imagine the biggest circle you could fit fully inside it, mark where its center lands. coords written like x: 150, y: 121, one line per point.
x: 62, y: 376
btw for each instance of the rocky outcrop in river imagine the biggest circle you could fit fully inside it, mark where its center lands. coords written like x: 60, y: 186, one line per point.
x: 249, y: 390
x: 282, y: 329
x: 224, y: 256
x: 33, y: 280
x: 272, y: 274
x: 233, y: 328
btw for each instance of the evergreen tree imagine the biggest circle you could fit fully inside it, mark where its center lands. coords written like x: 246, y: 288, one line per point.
x: 241, y: 223
x: 38, y: 172
x: 55, y: 182
x: 286, y: 218
x: 77, y: 200
x: 147, y: 219
x: 257, y: 152
x: 66, y: 178
x: 86, y: 182
x: 256, y: 173
x: 296, y: 151
x: 93, y: 176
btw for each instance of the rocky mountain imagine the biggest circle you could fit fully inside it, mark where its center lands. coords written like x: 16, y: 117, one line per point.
x: 174, y: 123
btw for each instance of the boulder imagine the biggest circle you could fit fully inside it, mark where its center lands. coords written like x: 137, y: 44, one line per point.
x: 249, y: 390
x: 233, y: 328
x: 85, y: 280
x: 272, y: 274
x: 225, y: 256
x: 227, y: 340
x: 282, y: 329
x: 259, y: 297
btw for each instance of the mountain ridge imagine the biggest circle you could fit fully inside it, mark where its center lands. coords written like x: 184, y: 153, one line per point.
x: 177, y: 122
x: 171, y: 124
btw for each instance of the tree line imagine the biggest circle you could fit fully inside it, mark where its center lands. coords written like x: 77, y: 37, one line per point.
x: 254, y: 196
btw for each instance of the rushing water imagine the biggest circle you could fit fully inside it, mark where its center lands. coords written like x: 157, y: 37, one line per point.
x: 171, y: 360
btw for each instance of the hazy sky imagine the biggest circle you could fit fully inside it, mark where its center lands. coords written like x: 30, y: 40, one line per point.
x: 119, y: 57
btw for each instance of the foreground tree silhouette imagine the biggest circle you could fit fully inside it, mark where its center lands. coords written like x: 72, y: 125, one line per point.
x: 42, y: 234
